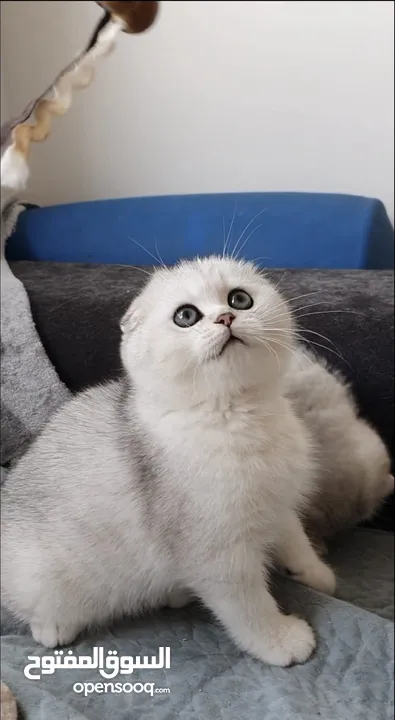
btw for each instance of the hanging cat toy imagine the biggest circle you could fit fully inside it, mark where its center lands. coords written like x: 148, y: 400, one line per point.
x: 34, y: 123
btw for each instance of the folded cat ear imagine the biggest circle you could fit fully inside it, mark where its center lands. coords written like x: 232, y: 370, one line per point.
x: 131, y: 319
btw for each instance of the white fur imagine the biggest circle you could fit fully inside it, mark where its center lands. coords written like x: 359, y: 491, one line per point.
x: 182, y: 479
x: 352, y: 463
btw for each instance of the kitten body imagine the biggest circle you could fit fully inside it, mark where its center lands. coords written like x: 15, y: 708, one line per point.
x: 352, y: 463
x: 185, y: 476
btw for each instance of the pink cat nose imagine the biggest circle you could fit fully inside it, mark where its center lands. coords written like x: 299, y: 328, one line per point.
x: 225, y: 319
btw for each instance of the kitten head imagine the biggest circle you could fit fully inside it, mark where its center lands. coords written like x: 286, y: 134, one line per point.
x: 214, y: 326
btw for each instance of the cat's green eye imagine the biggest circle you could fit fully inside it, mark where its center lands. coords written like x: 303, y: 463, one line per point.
x: 240, y: 300
x: 186, y: 316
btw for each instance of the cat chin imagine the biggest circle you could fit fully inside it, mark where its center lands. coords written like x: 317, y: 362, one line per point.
x: 238, y: 368
x: 212, y: 390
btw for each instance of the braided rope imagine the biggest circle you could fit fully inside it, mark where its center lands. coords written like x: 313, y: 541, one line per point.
x: 8, y: 704
x: 78, y: 75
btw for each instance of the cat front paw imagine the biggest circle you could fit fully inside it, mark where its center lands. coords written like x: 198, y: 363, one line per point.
x: 291, y: 643
x: 51, y: 635
x: 318, y: 576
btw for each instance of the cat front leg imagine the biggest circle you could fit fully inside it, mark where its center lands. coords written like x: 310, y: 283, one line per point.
x: 51, y: 634
x: 295, y: 553
x: 235, y: 590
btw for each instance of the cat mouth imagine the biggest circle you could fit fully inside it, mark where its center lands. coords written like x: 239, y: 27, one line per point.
x: 232, y: 340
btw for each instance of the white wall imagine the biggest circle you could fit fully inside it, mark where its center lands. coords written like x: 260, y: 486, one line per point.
x: 4, y: 99
x: 218, y: 96
x: 4, y: 105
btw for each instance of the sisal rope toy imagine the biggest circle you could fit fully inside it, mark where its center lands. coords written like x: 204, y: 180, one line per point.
x: 17, y: 135
x: 8, y: 706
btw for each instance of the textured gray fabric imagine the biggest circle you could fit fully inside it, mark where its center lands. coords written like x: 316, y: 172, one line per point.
x: 3, y: 475
x: 364, y: 561
x: 30, y: 387
x: 350, y: 677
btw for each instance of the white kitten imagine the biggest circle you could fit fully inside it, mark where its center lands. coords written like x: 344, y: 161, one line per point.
x: 353, y: 464
x: 183, y: 477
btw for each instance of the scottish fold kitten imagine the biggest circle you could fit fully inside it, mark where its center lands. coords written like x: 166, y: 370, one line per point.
x: 185, y: 477
x: 352, y: 463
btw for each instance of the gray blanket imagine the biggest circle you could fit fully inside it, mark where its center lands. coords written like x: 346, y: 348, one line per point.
x: 30, y: 387
x: 349, y: 678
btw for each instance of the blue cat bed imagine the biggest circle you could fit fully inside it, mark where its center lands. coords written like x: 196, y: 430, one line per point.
x: 294, y: 230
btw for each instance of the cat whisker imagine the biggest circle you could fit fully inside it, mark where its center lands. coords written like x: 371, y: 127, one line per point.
x: 278, y: 316
x: 328, y: 349
x: 229, y: 231
x: 160, y: 256
x: 142, y: 270
x: 296, y: 354
x: 326, y: 312
x: 299, y: 331
x: 261, y: 257
x: 289, y: 347
x: 154, y: 257
x: 272, y: 350
x: 266, y: 342
x: 194, y: 379
x: 282, y: 302
x: 245, y: 230
x: 276, y: 286
x: 299, y: 297
x: 246, y: 240
x: 208, y: 367
x: 286, y: 346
